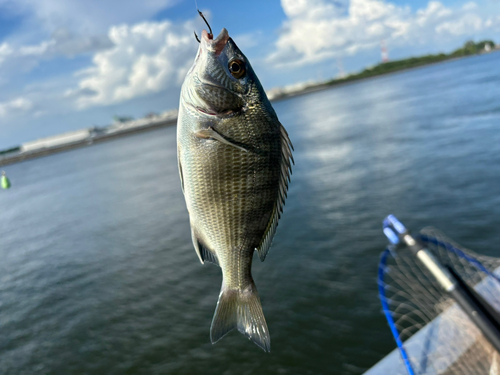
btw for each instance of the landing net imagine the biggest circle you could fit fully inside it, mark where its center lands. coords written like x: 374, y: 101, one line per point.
x: 433, y: 334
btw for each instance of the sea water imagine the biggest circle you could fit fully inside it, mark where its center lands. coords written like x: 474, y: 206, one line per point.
x: 98, y: 274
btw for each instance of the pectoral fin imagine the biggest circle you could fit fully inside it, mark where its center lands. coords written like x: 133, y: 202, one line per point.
x: 214, y: 134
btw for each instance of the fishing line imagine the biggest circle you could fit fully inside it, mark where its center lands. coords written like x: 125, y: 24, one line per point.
x: 204, y: 19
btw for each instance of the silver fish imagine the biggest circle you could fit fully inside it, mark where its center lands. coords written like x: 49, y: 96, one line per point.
x: 235, y: 164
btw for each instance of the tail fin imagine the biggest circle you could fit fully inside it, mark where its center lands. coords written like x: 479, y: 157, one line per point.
x: 240, y: 309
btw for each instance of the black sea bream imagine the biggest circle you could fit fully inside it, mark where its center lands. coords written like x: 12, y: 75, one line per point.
x: 234, y: 162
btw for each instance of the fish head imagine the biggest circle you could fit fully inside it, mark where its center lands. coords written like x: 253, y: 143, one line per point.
x: 221, y: 80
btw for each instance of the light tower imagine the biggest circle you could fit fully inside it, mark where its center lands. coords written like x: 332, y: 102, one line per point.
x: 383, y: 51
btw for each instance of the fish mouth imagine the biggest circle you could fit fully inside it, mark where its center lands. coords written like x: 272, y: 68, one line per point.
x: 215, y: 45
x: 199, y: 96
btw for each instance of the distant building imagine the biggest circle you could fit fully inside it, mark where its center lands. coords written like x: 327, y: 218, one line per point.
x: 57, y: 140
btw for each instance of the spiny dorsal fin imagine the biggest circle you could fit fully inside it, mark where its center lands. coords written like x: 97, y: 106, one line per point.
x: 203, y: 252
x: 286, y: 171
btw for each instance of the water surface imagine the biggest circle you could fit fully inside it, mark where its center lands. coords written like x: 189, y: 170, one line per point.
x: 98, y: 274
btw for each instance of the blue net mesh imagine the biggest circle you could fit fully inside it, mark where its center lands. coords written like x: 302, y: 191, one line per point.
x: 433, y: 334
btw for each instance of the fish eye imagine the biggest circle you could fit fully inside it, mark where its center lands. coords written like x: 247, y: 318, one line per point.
x: 237, y: 68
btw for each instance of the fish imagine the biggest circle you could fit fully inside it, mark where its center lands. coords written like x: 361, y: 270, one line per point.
x: 234, y: 159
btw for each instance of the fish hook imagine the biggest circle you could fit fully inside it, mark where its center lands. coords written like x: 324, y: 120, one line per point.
x: 204, y: 19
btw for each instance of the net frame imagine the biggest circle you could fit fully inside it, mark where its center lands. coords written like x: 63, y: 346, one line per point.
x: 411, y: 299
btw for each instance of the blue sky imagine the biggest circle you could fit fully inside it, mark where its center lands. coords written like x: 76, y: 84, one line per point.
x: 66, y: 65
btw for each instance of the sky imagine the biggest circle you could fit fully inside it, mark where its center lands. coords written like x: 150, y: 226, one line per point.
x: 72, y: 64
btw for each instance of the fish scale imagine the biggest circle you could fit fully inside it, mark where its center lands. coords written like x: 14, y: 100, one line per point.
x: 234, y: 162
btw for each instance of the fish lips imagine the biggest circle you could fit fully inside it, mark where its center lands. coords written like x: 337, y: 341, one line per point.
x: 214, y: 45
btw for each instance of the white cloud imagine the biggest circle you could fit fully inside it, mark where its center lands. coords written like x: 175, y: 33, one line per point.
x: 320, y: 29
x: 66, y: 44
x: 20, y: 59
x: 83, y: 17
x: 5, y: 52
x: 18, y: 105
x: 128, y: 61
x: 146, y: 58
x: 52, y: 28
x: 469, y: 6
x: 466, y: 24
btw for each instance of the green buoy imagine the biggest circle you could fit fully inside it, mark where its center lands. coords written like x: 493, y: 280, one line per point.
x: 5, y: 181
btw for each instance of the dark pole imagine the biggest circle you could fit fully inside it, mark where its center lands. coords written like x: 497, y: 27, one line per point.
x: 477, y: 309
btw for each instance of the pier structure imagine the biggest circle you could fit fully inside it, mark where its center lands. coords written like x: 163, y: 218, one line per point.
x: 84, y: 137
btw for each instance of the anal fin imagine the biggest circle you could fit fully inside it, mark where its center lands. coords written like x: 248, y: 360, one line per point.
x: 203, y: 252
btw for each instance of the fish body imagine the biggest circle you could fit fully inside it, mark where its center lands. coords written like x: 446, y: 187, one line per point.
x: 234, y: 162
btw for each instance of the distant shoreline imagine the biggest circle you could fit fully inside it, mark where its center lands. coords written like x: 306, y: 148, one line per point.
x: 22, y: 156
x: 326, y: 86
x: 19, y: 156
x: 388, y: 68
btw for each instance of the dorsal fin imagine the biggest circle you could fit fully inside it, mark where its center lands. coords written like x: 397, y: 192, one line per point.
x: 286, y: 171
x: 203, y: 252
